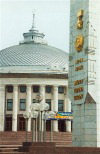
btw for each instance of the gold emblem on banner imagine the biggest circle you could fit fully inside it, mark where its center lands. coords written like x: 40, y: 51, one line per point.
x: 80, y: 19
x: 79, y: 43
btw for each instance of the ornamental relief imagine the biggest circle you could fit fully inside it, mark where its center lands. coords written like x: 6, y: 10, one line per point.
x: 79, y: 42
x: 80, y: 19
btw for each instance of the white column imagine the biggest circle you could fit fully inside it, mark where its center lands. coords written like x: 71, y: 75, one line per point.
x: 2, y: 106
x: 65, y: 100
x: 15, y: 106
x: 28, y: 104
x: 42, y: 92
x: 67, y: 108
x: 55, y: 107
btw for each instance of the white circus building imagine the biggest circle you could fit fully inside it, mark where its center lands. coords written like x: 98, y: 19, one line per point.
x: 27, y: 69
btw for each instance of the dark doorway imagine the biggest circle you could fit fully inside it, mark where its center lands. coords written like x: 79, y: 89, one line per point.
x: 21, y: 124
x: 48, y: 125
x: 8, y: 124
x: 61, y: 125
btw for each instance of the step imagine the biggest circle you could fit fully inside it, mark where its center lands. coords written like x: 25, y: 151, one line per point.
x: 10, y: 143
x: 7, y: 149
x: 13, y: 153
x: 10, y: 146
x: 63, y: 144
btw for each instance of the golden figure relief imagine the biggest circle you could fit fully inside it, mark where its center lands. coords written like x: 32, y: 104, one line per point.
x: 80, y: 19
x: 78, y: 68
x: 80, y: 13
x: 78, y: 97
x: 79, y: 24
x: 79, y: 43
x: 79, y: 61
x: 78, y: 90
x: 77, y: 82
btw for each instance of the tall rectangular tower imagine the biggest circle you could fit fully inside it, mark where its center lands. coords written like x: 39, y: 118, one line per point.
x: 84, y: 71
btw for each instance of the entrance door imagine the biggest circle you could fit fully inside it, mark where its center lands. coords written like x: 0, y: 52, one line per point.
x: 61, y: 126
x: 21, y: 124
x: 48, y: 125
x: 8, y: 124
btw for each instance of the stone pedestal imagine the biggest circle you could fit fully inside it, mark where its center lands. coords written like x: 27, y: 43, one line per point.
x: 38, y: 148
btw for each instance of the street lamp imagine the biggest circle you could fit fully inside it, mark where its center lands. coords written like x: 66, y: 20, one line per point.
x: 43, y: 108
x: 27, y: 115
x: 51, y: 114
x: 34, y: 115
x: 39, y: 98
x: 35, y: 107
x: 45, y: 117
x: 40, y: 107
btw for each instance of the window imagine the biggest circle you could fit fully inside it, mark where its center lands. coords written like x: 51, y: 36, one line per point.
x: 60, y: 105
x: 48, y: 101
x: 9, y: 89
x: 22, y: 89
x: 9, y: 104
x: 48, y: 89
x: 34, y: 101
x: 60, y: 89
x: 35, y: 89
x: 22, y: 104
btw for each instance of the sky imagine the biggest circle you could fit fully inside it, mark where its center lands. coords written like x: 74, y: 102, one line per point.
x: 51, y: 18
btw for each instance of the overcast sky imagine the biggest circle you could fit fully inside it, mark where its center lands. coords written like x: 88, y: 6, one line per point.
x: 52, y: 18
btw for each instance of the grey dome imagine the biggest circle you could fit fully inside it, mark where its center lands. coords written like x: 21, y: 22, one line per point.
x: 33, y: 56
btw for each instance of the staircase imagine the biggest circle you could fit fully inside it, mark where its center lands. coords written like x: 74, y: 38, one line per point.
x: 62, y: 139
x: 10, y: 142
x: 10, y: 149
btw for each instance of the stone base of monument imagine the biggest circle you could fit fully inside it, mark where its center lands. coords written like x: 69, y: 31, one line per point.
x: 38, y: 147
x: 50, y: 148
x: 77, y: 150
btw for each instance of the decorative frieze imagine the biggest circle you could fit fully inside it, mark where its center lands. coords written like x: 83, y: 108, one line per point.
x: 79, y: 68
x: 77, y: 82
x: 78, y: 97
x: 77, y: 90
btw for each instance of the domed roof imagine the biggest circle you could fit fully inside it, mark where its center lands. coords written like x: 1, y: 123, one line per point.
x: 33, y: 55
x: 36, y: 56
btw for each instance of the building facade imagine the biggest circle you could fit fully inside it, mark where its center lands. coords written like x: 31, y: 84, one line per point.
x: 27, y: 69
